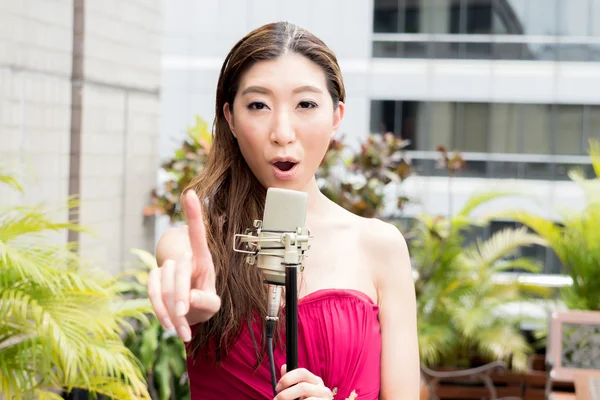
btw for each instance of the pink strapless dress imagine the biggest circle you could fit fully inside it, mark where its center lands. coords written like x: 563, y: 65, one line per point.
x: 339, y: 339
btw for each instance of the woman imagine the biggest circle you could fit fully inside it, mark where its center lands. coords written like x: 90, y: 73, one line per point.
x: 280, y: 100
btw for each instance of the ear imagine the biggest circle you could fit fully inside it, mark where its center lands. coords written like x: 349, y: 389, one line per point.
x: 338, y: 115
x: 229, y: 117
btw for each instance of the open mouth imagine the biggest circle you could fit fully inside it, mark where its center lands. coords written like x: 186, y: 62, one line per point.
x: 284, y: 165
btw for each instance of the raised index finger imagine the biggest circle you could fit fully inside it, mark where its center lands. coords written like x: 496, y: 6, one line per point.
x: 196, y: 228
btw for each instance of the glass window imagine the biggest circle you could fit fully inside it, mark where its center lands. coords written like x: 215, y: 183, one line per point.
x: 595, y: 17
x: 436, y: 16
x: 412, y: 16
x: 475, y: 118
x: 441, y: 124
x: 535, y: 128
x: 533, y: 20
x: 387, y: 49
x: 509, y: 16
x: 569, y: 129
x: 593, y: 124
x: 504, y: 128
x: 383, y: 116
x: 386, y: 16
x: 573, y: 17
x: 412, y: 116
x: 478, y: 15
x: 407, y: 119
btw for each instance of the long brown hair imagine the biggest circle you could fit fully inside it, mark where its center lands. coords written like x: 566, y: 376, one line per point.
x: 233, y: 198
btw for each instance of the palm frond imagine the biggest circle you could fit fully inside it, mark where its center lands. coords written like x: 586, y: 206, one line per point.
x: 434, y: 342
x: 60, y: 322
x: 148, y: 260
x: 595, y: 155
x: 477, y: 200
x: 502, y: 244
x: 504, y: 342
x: 11, y: 181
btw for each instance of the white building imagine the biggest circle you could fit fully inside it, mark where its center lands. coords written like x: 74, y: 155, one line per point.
x: 514, y: 84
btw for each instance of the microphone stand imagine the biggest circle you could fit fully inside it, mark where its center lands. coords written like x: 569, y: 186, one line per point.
x: 291, y: 317
x: 291, y: 260
x: 295, y: 245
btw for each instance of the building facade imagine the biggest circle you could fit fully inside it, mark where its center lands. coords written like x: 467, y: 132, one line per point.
x: 513, y: 84
x: 79, y: 106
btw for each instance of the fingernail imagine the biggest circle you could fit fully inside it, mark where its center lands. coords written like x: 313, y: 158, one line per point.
x: 180, y: 310
x: 168, y: 324
x: 185, y: 333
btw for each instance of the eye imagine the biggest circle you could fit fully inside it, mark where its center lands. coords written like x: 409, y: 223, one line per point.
x: 257, y: 105
x: 307, y: 104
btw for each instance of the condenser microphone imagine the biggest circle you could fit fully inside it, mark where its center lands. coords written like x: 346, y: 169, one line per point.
x: 277, y: 246
x: 285, y: 212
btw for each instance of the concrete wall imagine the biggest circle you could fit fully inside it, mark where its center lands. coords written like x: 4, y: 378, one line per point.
x: 114, y: 161
x: 35, y: 98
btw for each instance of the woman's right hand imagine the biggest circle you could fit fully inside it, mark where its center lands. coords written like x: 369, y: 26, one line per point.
x: 182, y: 291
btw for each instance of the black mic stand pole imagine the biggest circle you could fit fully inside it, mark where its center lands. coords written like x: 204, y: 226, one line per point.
x: 291, y: 316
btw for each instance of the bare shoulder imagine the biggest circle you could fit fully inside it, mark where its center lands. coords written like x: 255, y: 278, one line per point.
x: 386, y: 247
x: 383, y: 238
x: 173, y: 243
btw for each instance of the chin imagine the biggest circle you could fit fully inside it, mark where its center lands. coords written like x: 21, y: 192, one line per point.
x: 293, y: 184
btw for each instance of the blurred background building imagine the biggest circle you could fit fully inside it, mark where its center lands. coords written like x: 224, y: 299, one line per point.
x: 94, y: 94
x: 513, y: 84
x: 79, y: 106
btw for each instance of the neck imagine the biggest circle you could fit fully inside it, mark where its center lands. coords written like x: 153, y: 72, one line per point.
x: 317, y: 201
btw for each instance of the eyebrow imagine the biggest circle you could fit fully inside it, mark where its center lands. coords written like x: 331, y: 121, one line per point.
x: 263, y: 90
x: 307, y: 88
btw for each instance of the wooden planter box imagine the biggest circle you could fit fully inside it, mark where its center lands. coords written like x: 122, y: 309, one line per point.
x: 507, y: 384
x: 527, y: 386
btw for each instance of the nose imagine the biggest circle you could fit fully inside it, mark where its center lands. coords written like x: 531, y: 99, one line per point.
x: 282, y: 131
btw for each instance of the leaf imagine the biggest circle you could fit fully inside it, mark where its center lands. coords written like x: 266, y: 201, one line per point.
x: 476, y: 201
x: 11, y: 182
x: 149, y: 344
x: 503, y: 243
x: 147, y: 258
x: 60, y: 320
x: 163, y: 378
x: 595, y: 155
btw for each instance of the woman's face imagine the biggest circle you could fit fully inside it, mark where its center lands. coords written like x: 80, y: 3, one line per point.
x: 283, y: 119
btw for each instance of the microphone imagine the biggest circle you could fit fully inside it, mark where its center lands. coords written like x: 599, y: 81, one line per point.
x: 277, y: 246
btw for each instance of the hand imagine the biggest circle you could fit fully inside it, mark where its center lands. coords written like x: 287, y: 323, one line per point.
x: 183, y: 292
x: 301, y: 384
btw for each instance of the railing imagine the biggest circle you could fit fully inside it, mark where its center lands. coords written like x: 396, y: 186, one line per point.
x: 485, y: 46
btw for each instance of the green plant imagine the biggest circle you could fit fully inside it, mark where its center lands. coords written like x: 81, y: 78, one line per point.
x: 357, y: 180
x: 187, y: 162
x: 461, y: 306
x: 576, y: 239
x: 59, y: 320
x: 354, y: 180
x: 161, y: 352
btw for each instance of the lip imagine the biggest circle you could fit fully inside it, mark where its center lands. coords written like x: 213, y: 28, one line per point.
x: 285, y: 175
x: 284, y: 159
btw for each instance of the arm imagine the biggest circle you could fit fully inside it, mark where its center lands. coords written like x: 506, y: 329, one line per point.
x: 400, y: 372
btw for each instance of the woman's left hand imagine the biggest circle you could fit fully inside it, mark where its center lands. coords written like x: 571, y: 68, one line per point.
x: 301, y: 384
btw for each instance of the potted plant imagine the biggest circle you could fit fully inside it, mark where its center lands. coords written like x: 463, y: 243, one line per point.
x: 469, y: 344
x: 60, y: 321
x: 357, y: 180
x: 187, y: 162
x: 575, y: 239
